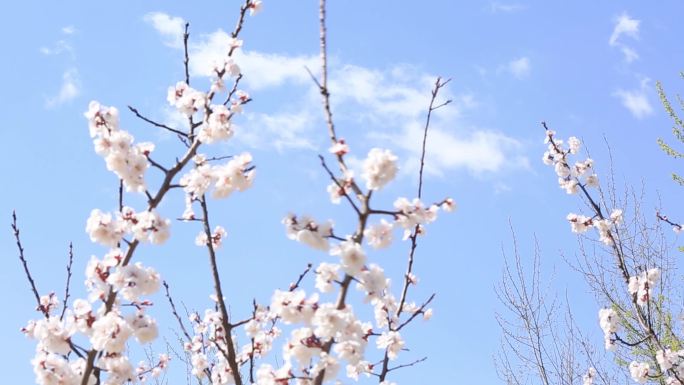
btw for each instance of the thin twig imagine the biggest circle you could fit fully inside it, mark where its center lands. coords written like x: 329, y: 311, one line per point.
x: 174, y: 312
x: 15, y: 230
x: 186, y: 58
x: 407, y: 365
x: 230, y: 355
x: 68, y: 280
x: 157, y: 124
x: 295, y: 285
x: 339, y: 185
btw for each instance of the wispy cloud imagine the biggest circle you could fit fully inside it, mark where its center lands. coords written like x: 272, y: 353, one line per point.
x: 395, y: 101
x: 520, y: 68
x: 390, y: 104
x: 170, y: 27
x: 498, y: 7
x: 629, y: 27
x: 69, y: 30
x: 476, y: 150
x: 60, y: 47
x: 287, y: 130
x: 624, y: 25
x: 636, y: 100
x: 68, y: 91
x: 261, y: 70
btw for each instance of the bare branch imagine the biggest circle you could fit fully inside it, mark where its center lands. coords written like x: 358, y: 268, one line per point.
x: 65, y: 302
x: 15, y: 230
x: 156, y: 124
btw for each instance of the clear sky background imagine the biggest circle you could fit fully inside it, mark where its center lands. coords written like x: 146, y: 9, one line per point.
x: 588, y: 68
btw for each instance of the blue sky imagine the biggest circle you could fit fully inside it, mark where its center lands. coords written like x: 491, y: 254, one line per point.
x: 587, y: 68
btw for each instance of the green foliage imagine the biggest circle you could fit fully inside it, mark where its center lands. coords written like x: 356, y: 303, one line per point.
x: 677, y: 128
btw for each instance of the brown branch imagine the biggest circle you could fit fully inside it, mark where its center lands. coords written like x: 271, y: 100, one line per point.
x: 157, y: 124
x: 325, y: 94
x: 295, y: 285
x: 174, y: 312
x: 438, y: 85
x: 230, y: 354
x: 152, y: 204
x: 15, y: 230
x: 407, y: 365
x: 414, y: 237
x: 156, y: 164
x: 667, y: 220
x: 642, y: 319
x: 415, y: 314
x: 234, y: 90
x: 342, y: 189
x: 186, y: 58
x: 68, y: 280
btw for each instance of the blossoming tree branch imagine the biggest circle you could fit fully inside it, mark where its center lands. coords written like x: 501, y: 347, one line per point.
x: 89, y: 340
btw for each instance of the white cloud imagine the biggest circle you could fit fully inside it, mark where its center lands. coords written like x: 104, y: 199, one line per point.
x: 394, y: 93
x: 520, y: 68
x: 69, y: 30
x: 630, y: 54
x: 68, y: 91
x: 636, y: 101
x: 388, y: 105
x: 288, y: 130
x: 627, y: 26
x: 479, y: 151
x: 624, y: 25
x: 60, y: 47
x: 261, y: 70
x: 395, y: 102
x: 497, y: 7
x: 172, y: 28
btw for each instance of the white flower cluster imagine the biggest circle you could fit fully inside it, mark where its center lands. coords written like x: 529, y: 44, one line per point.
x: 608, y: 319
x: 339, y: 148
x: 669, y: 360
x: 48, y: 303
x: 352, y: 256
x: 210, y: 339
x: 391, y: 341
x: 217, y: 126
x: 330, y: 334
x: 129, y: 162
x: 134, y: 281
x: 380, y: 235
x: 414, y: 213
x: 326, y: 274
x: 341, y: 188
x: 217, y: 237
x: 326, y: 323
x: 569, y: 177
x: 186, y: 99
x: 639, y: 371
x: 109, y: 230
x: 107, y: 333
x: 262, y: 330
x: 130, y: 281
x: 642, y: 284
x: 580, y: 224
x: 236, y: 175
x: 379, y: 168
x: 306, y: 230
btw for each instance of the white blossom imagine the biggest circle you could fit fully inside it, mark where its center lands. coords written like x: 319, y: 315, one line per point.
x: 392, y: 341
x: 352, y: 256
x: 639, y: 371
x: 379, y: 235
x: 379, y: 168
